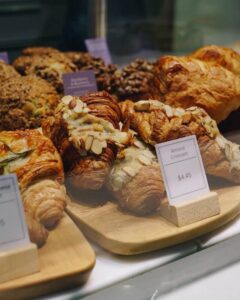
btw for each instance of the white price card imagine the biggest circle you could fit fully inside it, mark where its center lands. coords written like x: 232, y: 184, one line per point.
x: 182, y: 169
x: 13, y: 228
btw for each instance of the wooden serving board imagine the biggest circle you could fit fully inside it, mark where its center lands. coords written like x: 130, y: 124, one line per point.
x: 122, y: 233
x: 66, y: 261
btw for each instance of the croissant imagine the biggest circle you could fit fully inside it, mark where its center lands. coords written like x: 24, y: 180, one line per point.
x: 226, y: 57
x: 187, y: 81
x: 86, y: 133
x: 39, y: 170
x: 135, y: 179
x: 156, y: 122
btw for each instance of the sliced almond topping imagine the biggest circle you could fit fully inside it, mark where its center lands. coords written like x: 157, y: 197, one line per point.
x: 179, y: 112
x: 78, y: 108
x: 221, y: 142
x: 236, y: 155
x: 104, y: 144
x: 228, y: 150
x: 129, y: 171
x: 138, y: 144
x: 72, y: 103
x: 86, y: 110
x: 142, y: 106
x: 88, y: 142
x: 144, y: 160
x: 67, y: 99
x: 186, y: 118
x: 96, y: 147
x: 169, y: 111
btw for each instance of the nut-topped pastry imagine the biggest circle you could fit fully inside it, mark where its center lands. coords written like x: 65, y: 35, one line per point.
x: 25, y: 101
x: 135, y: 179
x: 39, y: 51
x: 156, y: 122
x: 38, y: 166
x: 103, y: 72
x: 86, y: 133
x: 7, y: 72
x: 49, y: 66
x: 135, y: 81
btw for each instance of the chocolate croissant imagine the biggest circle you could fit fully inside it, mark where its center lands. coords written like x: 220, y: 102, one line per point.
x: 86, y: 133
x: 156, y: 122
x: 135, y: 179
x: 39, y: 170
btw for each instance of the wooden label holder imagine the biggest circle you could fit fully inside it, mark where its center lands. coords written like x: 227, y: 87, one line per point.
x: 19, y: 262
x: 192, y: 211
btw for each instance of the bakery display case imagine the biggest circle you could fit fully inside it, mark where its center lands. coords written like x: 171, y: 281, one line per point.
x: 119, y: 137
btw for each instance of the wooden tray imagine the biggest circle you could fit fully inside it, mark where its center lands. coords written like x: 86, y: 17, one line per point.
x: 66, y: 261
x: 125, y: 234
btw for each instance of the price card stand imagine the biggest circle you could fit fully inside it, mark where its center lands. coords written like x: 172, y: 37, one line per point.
x: 19, y: 262
x: 191, y: 211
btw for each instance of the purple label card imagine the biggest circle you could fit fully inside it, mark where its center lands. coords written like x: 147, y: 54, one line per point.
x: 79, y: 83
x: 4, y: 57
x: 98, y: 48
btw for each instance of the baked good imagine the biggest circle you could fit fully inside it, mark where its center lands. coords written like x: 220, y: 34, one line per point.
x: 103, y: 73
x: 39, y: 51
x: 226, y: 57
x: 25, y: 101
x: 156, y: 122
x: 135, y: 179
x: 7, y: 72
x: 135, y: 81
x: 49, y: 66
x: 86, y: 132
x: 187, y: 81
x: 39, y: 170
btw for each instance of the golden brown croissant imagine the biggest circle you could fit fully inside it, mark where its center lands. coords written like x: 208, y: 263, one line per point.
x: 87, y: 136
x: 156, y: 122
x: 226, y: 57
x: 135, y: 179
x: 39, y: 170
x: 187, y: 81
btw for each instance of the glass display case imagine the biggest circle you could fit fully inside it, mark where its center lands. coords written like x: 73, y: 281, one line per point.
x: 119, y: 148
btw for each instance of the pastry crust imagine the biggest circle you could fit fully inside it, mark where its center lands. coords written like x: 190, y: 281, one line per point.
x: 156, y: 122
x: 7, y: 72
x: 86, y: 133
x: 39, y: 51
x: 25, y: 101
x: 135, y: 180
x: 49, y: 66
x: 223, y: 56
x: 187, y: 81
x: 103, y: 73
x: 39, y: 170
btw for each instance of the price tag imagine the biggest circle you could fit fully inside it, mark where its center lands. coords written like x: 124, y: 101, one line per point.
x: 13, y: 228
x: 79, y: 83
x: 4, y: 57
x: 98, y: 48
x: 182, y: 169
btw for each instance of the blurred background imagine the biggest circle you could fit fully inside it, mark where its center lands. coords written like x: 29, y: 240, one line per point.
x: 133, y: 28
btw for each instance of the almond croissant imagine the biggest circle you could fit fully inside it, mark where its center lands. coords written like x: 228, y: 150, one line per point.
x: 135, y: 179
x: 156, y: 122
x: 86, y: 133
x: 39, y: 170
x: 187, y: 81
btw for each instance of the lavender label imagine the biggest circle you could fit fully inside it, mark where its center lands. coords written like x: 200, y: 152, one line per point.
x: 4, y: 57
x: 79, y: 83
x: 98, y: 48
